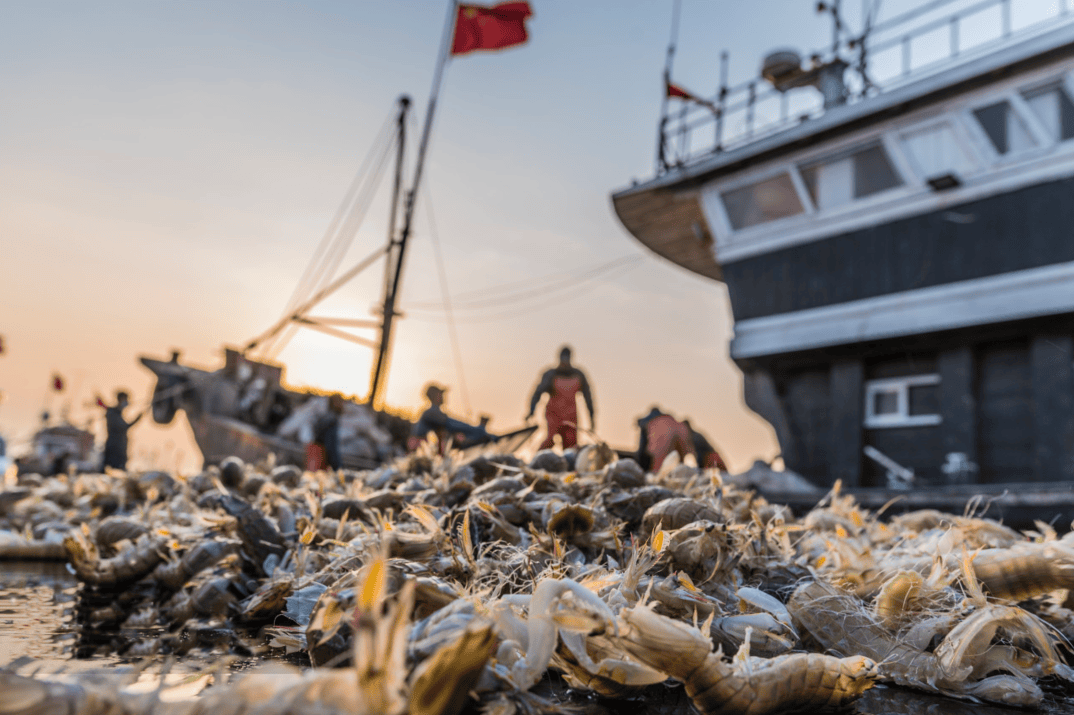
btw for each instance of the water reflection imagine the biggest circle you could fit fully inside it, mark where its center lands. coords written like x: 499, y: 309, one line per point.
x: 36, y: 611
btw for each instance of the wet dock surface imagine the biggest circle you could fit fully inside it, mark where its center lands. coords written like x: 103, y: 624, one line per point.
x: 37, y: 602
x: 37, y: 631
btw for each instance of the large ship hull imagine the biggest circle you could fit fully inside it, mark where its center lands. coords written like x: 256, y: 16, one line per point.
x: 901, y: 277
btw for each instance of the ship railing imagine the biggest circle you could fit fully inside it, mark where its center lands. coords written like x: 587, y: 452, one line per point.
x: 933, y: 37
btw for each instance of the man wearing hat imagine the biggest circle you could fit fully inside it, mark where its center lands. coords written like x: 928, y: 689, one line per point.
x: 435, y: 420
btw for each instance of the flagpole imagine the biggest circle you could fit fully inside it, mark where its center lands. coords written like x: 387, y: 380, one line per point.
x: 392, y: 291
x: 660, y: 158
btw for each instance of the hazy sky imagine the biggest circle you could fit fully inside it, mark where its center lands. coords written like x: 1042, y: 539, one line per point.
x: 167, y: 170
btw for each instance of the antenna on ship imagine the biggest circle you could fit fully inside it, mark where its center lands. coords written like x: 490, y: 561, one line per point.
x: 661, y: 154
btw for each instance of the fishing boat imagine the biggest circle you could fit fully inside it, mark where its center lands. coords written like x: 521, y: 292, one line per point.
x: 243, y: 408
x: 55, y: 448
x: 895, y: 243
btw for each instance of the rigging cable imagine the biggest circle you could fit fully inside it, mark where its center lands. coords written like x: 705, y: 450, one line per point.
x: 582, y: 288
x: 303, y: 287
x: 445, y: 292
x: 548, y: 285
x: 345, y: 228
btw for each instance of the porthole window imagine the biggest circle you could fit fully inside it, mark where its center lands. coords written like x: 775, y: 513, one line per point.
x: 764, y: 201
x: 912, y: 401
x: 1005, y: 129
x: 837, y: 181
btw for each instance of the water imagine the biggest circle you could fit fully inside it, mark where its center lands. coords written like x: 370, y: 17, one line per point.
x: 36, y: 612
x: 37, y: 602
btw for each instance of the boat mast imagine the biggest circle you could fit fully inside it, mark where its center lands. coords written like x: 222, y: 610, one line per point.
x: 397, y: 248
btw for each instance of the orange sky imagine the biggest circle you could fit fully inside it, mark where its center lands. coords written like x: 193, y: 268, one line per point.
x: 169, y: 170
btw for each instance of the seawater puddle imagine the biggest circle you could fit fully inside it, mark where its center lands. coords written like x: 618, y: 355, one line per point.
x: 37, y: 601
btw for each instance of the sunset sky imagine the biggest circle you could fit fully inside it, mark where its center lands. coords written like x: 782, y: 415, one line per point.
x: 167, y: 170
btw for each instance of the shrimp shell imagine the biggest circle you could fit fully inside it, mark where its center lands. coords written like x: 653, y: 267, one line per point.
x: 128, y: 566
x: 206, y: 554
x: 115, y: 529
x: 896, y: 595
x: 1026, y: 571
x: 754, y: 686
x: 676, y: 513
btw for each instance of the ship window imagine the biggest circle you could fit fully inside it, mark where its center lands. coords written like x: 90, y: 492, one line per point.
x: 935, y: 151
x: 1054, y: 110
x: 1005, y: 129
x: 835, y: 182
x: 912, y: 401
x: 766, y: 200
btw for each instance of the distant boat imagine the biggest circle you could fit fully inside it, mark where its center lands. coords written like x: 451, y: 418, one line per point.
x: 56, y: 448
x: 244, y: 410
x: 897, y: 252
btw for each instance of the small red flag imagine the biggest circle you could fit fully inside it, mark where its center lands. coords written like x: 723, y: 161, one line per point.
x: 674, y: 90
x: 677, y: 91
x: 490, y: 28
x: 100, y: 402
x: 57, y: 382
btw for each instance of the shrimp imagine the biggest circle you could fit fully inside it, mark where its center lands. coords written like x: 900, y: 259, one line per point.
x: 750, y: 685
x: 958, y: 666
x: 206, y: 554
x: 128, y: 566
x: 1027, y: 570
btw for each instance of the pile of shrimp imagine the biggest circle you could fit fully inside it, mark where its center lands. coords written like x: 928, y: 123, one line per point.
x: 441, y: 586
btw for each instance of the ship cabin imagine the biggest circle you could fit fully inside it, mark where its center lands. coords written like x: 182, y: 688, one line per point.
x: 900, y: 266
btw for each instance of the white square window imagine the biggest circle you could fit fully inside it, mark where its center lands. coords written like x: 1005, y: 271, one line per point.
x: 935, y: 151
x: 860, y: 173
x: 912, y: 401
x: 1005, y: 129
x: 764, y: 201
x: 1054, y: 109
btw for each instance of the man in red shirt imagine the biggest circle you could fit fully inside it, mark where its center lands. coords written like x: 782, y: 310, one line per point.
x: 662, y: 434
x: 563, y: 383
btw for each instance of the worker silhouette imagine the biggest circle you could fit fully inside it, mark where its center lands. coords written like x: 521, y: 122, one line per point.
x: 115, y: 445
x: 662, y: 434
x: 563, y: 383
x: 435, y: 420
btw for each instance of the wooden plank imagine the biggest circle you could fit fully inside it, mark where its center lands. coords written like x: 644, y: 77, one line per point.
x: 845, y: 382
x: 1051, y: 358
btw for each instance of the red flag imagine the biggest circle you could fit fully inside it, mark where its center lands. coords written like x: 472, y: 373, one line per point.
x: 674, y: 90
x: 100, y: 402
x: 677, y: 91
x: 490, y: 28
x: 57, y: 382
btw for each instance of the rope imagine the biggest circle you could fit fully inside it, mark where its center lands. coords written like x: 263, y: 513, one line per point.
x: 582, y: 288
x: 449, y: 313
x: 539, y: 288
x: 356, y: 203
x: 303, y: 288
